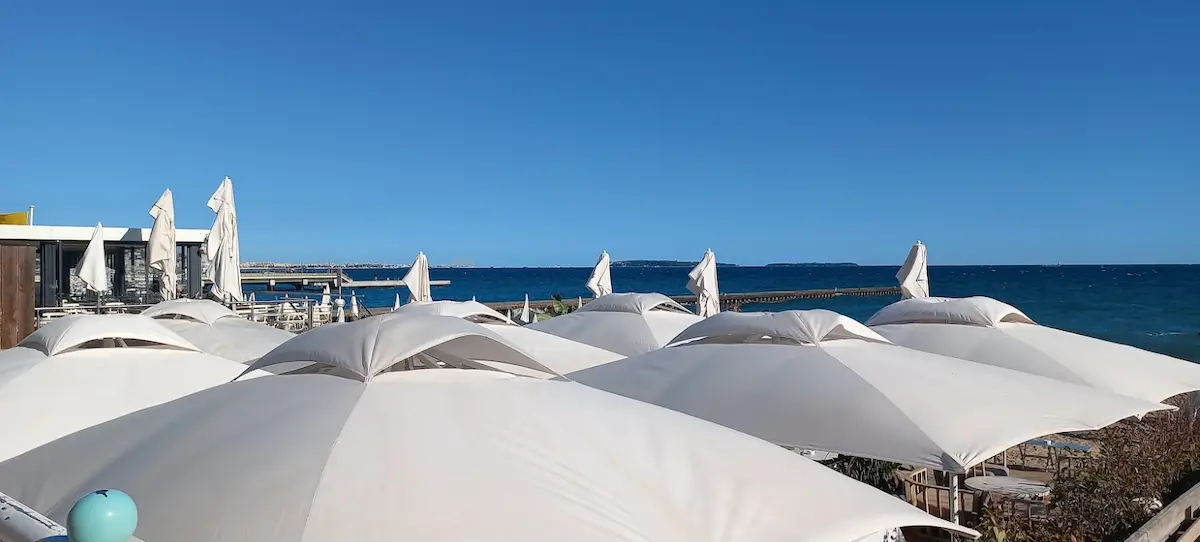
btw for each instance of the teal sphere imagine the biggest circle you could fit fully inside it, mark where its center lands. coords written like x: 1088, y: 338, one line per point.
x: 106, y: 515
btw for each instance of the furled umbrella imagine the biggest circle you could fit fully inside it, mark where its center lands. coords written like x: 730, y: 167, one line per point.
x: 702, y: 281
x: 92, y: 269
x: 417, y: 280
x: 161, y: 250
x: 600, y: 282
x: 914, y: 274
x: 525, y: 312
x: 224, y: 254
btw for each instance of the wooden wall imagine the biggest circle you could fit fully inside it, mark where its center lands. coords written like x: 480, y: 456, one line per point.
x: 17, y: 264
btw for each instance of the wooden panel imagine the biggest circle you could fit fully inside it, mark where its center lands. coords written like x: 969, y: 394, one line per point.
x: 17, y: 265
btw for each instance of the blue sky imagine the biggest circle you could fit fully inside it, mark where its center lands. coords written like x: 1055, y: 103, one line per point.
x: 540, y: 132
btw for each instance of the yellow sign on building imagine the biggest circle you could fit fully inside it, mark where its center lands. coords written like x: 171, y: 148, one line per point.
x: 20, y: 219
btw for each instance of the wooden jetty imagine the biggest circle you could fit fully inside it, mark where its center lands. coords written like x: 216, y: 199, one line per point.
x: 335, y: 279
x: 732, y: 301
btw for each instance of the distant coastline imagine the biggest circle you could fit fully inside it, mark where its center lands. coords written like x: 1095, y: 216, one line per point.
x: 813, y: 264
x: 680, y: 263
x: 662, y: 263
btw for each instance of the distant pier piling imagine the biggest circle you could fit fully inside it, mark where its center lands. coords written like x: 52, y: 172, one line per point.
x: 335, y: 280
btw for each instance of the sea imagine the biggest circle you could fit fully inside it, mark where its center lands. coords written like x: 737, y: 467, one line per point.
x: 1155, y: 307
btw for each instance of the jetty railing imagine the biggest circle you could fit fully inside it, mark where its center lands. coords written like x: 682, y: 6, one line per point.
x: 731, y: 301
x: 291, y: 314
x: 1179, y: 521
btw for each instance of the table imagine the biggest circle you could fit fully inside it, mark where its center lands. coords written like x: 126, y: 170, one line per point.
x: 1008, y: 486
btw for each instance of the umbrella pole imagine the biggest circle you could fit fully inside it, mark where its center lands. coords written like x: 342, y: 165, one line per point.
x: 954, y: 505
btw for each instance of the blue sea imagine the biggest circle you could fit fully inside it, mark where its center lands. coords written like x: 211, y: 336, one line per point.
x: 1156, y: 307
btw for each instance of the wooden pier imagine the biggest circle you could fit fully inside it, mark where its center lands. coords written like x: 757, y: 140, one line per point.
x: 335, y: 280
x: 732, y: 301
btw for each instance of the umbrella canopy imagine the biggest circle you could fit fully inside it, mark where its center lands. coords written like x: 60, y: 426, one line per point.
x: 526, y: 314
x: 160, y: 253
x: 914, y: 274
x: 702, y: 281
x: 473, y: 311
x: 559, y: 354
x: 600, y: 283
x: 92, y: 269
x: 217, y: 330
x: 819, y: 380
x: 396, y: 305
x: 325, y: 298
x: 224, y: 254
x: 79, y: 371
x: 353, y: 304
x: 628, y: 324
x: 988, y: 331
x: 417, y: 280
x: 371, y: 453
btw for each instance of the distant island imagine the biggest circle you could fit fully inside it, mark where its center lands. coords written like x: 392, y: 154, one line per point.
x: 813, y: 264
x: 662, y: 263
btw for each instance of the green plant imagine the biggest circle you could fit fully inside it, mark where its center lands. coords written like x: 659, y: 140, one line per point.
x: 873, y: 472
x: 1106, y: 496
x: 558, y: 307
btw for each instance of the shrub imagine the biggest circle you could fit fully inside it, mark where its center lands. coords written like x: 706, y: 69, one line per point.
x: 1108, y: 497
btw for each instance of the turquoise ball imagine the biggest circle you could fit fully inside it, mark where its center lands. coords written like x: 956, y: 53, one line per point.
x: 106, y: 515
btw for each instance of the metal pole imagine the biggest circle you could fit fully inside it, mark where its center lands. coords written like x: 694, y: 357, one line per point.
x: 308, y: 303
x: 29, y: 217
x: 26, y: 523
x: 954, y: 505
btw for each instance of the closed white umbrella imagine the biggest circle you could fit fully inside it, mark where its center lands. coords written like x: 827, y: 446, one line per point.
x: 161, y: 253
x: 92, y: 269
x: 525, y: 313
x: 988, y: 331
x: 702, y: 281
x: 314, y: 457
x: 325, y: 296
x: 628, y: 324
x: 417, y: 280
x: 353, y: 305
x: 600, y: 283
x: 224, y: 254
x: 580, y: 305
x: 819, y: 380
x: 396, y: 305
x: 914, y: 274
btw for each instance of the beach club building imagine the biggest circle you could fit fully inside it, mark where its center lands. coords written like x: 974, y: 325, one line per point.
x: 37, y: 266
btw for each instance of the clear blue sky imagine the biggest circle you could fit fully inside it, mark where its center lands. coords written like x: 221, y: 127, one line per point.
x: 542, y: 132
